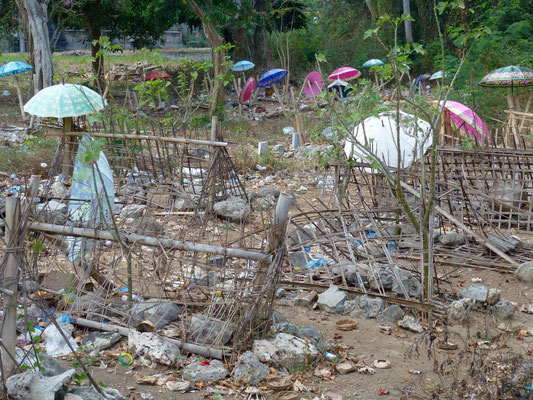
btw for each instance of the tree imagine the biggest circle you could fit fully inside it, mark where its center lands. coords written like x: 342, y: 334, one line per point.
x: 34, y: 14
x: 142, y: 21
x: 407, y: 22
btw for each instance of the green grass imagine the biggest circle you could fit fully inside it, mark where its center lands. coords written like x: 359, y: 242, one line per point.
x: 26, y: 159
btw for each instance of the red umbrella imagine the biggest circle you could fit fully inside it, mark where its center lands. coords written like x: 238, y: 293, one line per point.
x: 247, y: 91
x: 152, y: 76
x: 313, y: 84
x: 345, y: 74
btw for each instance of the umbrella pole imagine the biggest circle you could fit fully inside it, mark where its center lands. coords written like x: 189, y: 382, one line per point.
x: 238, y: 92
x: 19, y: 93
x: 69, y: 141
x: 278, y: 97
x: 314, y: 97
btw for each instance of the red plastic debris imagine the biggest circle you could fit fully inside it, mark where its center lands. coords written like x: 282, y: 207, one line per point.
x: 204, y: 363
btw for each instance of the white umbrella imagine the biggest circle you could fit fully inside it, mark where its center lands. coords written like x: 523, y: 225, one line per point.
x: 338, y: 82
x: 378, y: 134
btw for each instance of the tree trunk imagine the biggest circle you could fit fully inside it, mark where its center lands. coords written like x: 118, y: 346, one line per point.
x: 408, y: 25
x: 260, y: 50
x: 34, y: 15
x: 95, y: 33
x: 216, y: 41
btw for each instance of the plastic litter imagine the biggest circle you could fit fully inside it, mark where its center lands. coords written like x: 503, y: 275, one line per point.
x: 331, y: 357
x: 66, y: 319
x: 289, y: 130
x: 55, y: 344
x: 316, y: 263
x: 125, y: 359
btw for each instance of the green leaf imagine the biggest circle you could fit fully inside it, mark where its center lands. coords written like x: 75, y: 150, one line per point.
x: 441, y: 6
x: 370, y: 33
x: 38, y: 247
x: 407, y: 17
x: 36, y: 339
x: 419, y: 48
x: 321, y: 57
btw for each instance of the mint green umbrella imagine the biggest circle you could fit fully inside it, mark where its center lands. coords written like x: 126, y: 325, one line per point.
x: 373, y: 63
x: 438, y: 75
x: 65, y: 100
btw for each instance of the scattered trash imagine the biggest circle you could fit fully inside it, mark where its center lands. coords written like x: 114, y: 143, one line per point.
x: 414, y: 372
x: 381, y: 364
x: 331, y: 357
x: 346, y: 324
x: 125, y: 359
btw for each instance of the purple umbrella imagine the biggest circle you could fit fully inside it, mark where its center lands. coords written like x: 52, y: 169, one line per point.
x: 271, y: 77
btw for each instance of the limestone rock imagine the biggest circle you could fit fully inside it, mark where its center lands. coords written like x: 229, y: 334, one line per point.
x: 372, y: 305
x: 210, y: 331
x: 249, y: 369
x: 411, y: 324
x: 503, y: 309
x: 212, y: 372
x: 99, y: 341
x: 390, y: 315
x: 452, y: 239
x: 525, y: 272
x: 152, y: 349
x: 233, y: 208
x: 476, y: 292
x: 284, y: 350
x: 459, y: 310
x: 32, y: 385
x: 331, y: 299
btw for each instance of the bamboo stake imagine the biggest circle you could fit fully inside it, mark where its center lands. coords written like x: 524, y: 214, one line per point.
x: 192, y: 348
x: 143, y: 137
x: 464, y: 227
x: 151, y: 241
x: 9, y: 332
x: 21, y: 100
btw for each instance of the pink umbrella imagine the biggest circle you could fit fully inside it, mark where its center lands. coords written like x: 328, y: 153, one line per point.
x: 466, y: 120
x: 344, y: 74
x: 152, y: 76
x: 247, y: 91
x: 313, y: 84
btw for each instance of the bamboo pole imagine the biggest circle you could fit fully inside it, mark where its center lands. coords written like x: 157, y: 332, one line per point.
x: 464, y: 227
x: 143, y: 137
x: 190, y: 347
x: 69, y: 146
x: 9, y: 332
x: 19, y: 94
x: 150, y: 241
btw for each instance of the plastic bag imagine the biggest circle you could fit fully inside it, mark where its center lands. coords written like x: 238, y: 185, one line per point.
x: 55, y: 344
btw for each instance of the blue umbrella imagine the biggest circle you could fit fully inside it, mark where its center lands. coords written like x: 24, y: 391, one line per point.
x: 243, y: 65
x: 271, y: 77
x: 15, y: 68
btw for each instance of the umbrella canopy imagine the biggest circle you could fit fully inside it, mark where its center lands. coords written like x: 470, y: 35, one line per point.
x: 243, y: 65
x: 379, y: 135
x: 93, y: 204
x: 271, y: 77
x: 65, y: 100
x: 344, y: 73
x: 373, y: 63
x: 511, y: 76
x: 313, y: 84
x: 466, y: 120
x: 152, y: 76
x: 14, y: 68
x: 438, y: 75
x: 247, y: 91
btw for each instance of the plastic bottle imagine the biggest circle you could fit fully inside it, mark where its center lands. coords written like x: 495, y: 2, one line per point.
x: 331, y: 357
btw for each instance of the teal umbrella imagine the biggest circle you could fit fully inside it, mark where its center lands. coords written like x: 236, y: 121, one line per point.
x: 14, y: 68
x: 65, y: 100
x: 373, y: 63
x: 438, y: 75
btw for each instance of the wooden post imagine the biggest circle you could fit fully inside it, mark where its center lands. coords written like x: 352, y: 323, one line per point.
x: 212, y: 181
x: 21, y: 100
x: 9, y: 333
x: 300, y: 129
x: 69, y: 146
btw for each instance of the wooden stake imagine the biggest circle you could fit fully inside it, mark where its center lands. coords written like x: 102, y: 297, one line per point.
x: 69, y: 146
x: 9, y: 333
x: 19, y: 93
x: 300, y: 129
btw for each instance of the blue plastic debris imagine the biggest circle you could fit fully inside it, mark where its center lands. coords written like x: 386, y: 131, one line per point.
x: 66, y: 319
x: 13, y: 176
x: 317, y: 263
x: 123, y: 289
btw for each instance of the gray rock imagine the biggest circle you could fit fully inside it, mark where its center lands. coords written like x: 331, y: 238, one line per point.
x: 210, y: 331
x: 60, y: 190
x: 53, y: 212
x: 72, y: 396
x: 132, y: 211
x: 351, y: 308
x: 32, y: 385
x: 383, y: 277
x: 331, y: 299
x: 503, y: 309
x: 233, y: 208
x: 99, y: 341
x: 410, y: 282
x: 411, y: 324
x: 266, y: 203
x: 90, y: 393
x: 459, y: 310
x: 452, y: 239
x: 371, y: 305
x: 310, y: 332
x: 196, y: 372
x: 352, y: 272
x: 390, y: 315
x: 278, y: 150
x: 280, y: 293
x: 328, y: 132
x: 494, y: 296
x: 152, y: 349
x: 147, y: 226
x: 476, y: 292
x: 525, y: 272
x: 287, y: 327
x: 284, y: 350
x: 277, y: 318
x: 267, y: 192
x: 299, y: 236
x: 27, y: 358
x: 32, y: 313
x: 158, y: 312
x: 505, y: 244
x: 370, y: 249
x: 306, y: 152
x: 249, y: 369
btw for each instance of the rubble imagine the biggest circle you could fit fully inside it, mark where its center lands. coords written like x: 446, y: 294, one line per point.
x: 452, y: 239
x: 133, y: 211
x: 459, y: 310
x: 493, y: 296
x: 411, y: 284
x: 503, y: 310
x: 331, y: 299
x: 249, y: 369
x: 371, y: 305
x: 210, y: 331
x: 284, y: 350
x: 390, y: 315
x: 476, y: 292
x: 90, y: 393
x: 411, y: 324
x: 99, y: 341
x: 31, y: 385
x: 199, y: 371
x: 152, y: 349
x: 233, y: 208
x: 159, y: 312
x: 525, y: 272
